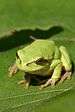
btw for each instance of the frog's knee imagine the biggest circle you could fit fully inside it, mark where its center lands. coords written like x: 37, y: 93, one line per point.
x: 62, y: 49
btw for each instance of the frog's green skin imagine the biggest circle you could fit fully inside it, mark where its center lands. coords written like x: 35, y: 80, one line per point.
x: 43, y: 57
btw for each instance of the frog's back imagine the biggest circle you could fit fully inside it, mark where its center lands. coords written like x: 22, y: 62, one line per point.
x: 38, y: 48
x: 45, y: 47
x: 43, y: 43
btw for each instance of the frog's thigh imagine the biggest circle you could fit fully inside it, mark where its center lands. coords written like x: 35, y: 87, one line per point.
x: 56, y: 75
x: 65, y: 59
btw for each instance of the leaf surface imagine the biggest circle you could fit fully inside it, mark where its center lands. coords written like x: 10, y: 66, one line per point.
x: 52, y: 19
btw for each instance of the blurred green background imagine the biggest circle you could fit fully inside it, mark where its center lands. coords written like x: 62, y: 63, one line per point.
x: 47, y: 19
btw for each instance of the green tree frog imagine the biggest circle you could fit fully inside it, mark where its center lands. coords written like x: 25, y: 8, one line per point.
x: 43, y: 58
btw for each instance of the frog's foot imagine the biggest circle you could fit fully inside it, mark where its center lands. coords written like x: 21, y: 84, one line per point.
x: 54, y: 78
x: 25, y: 82
x: 49, y: 82
x: 12, y: 70
x: 67, y: 75
x: 22, y: 82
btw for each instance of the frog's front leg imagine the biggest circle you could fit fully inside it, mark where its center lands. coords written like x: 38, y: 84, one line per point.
x: 56, y: 66
x: 66, y: 62
x: 12, y: 70
x: 26, y: 80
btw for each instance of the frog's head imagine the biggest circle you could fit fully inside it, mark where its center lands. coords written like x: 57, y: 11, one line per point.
x: 30, y: 63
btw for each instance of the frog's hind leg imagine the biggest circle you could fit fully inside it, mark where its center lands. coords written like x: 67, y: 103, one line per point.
x: 66, y: 62
x: 26, y: 80
x: 55, y: 76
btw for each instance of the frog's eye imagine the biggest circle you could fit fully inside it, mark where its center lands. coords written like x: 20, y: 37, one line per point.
x: 41, y: 61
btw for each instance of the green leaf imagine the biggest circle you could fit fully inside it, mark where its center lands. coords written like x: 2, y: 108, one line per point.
x: 51, y: 20
x: 16, y: 98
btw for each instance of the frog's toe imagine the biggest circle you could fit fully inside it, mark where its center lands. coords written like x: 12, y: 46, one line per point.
x: 22, y: 82
x: 12, y: 70
x: 67, y: 75
x: 25, y: 82
x: 49, y: 82
x: 52, y: 82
